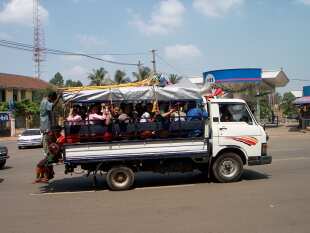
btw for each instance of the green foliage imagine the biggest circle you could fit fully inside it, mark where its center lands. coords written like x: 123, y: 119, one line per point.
x: 287, y: 105
x: 37, y: 95
x: 143, y: 73
x: 26, y: 108
x: 173, y: 78
x: 72, y: 83
x: 98, y: 77
x: 120, y: 77
x: 4, y: 106
x: 57, y: 80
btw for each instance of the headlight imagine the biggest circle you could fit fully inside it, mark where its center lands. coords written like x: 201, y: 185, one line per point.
x: 264, y: 149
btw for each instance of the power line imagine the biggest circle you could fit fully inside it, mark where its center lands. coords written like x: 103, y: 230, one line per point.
x: 302, y: 80
x: 27, y: 47
x: 168, y: 64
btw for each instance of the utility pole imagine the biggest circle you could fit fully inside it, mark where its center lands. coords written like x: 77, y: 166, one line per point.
x: 139, y: 65
x: 154, y: 61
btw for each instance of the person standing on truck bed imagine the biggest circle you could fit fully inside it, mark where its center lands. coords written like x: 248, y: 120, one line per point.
x: 46, y: 119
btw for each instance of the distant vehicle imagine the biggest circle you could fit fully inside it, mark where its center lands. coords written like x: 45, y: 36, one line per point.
x: 30, y: 138
x: 3, y: 155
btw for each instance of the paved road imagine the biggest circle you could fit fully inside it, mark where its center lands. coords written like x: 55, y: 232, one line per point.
x: 273, y: 198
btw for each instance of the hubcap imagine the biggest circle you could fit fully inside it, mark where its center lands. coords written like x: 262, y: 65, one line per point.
x: 120, y: 177
x: 228, y: 168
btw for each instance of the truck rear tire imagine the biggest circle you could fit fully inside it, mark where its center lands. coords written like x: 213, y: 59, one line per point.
x: 228, y: 167
x: 120, y: 178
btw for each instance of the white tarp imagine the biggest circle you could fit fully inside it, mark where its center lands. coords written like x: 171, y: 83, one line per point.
x: 143, y: 93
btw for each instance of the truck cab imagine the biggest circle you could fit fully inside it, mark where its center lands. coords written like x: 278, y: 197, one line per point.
x: 234, y: 131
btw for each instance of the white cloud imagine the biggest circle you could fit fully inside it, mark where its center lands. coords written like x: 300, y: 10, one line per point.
x: 306, y: 2
x: 91, y: 41
x: 216, y: 8
x: 181, y: 52
x: 76, y: 73
x: 166, y: 17
x: 20, y: 12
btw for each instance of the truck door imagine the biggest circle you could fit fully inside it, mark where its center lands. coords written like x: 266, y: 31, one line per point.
x: 236, y: 125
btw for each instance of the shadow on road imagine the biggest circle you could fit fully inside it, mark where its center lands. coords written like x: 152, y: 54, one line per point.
x: 73, y: 184
x: 254, y: 175
x: 142, y: 180
x: 6, y: 168
x: 1, y: 180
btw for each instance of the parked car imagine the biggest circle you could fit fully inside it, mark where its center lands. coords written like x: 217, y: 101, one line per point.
x: 3, y: 155
x: 30, y: 138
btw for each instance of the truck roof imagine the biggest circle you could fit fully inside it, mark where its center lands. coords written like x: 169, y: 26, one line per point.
x: 227, y: 101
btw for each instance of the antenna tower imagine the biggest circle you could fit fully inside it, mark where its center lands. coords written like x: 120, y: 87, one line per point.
x: 38, y: 39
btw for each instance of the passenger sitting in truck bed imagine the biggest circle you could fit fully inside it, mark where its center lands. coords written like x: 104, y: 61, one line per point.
x: 178, y: 114
x: 97, y: 115
x: 146, y: 116
x: 74, y: 115
x: 195, y: 113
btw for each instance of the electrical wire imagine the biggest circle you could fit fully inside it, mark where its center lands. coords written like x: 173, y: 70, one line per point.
x: 27, y: 47
x: 168, y: 64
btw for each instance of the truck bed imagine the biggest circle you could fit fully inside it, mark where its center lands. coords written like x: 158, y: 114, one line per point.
x: 134, y: 150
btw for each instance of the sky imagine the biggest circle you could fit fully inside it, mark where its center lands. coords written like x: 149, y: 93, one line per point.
x: 189, y: 37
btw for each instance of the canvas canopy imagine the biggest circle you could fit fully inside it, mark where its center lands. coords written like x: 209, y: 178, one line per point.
x: 184, y: 90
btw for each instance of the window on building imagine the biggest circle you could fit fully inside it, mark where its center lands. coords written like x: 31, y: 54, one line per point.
x: 23, y: 94
x: 15, y: 95
x: 2, y: 95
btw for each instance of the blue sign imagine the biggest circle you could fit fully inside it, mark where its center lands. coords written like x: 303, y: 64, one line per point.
x: 233, y: 75
x: 4, y: 116
x: 306, y: 91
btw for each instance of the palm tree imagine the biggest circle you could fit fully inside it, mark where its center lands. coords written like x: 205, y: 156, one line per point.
x: 174, y: 78
x: 98, y: 77
x: 120, y: 77
x: 142, y: 74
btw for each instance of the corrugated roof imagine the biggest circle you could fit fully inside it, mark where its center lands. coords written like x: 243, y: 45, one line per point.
x: 21, y: 82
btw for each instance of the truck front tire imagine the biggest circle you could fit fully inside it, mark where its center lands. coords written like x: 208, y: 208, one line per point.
x: 120, y: 178
x: 227, y: 168
x: 2, y: 164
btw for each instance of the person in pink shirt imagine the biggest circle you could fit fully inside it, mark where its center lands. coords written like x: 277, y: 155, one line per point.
x: 74, y: 115
x: 95, y: 115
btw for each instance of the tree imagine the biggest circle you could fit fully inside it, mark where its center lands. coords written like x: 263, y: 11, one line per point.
x: 57, y: 80
x: 72, y: 83
x: 287, y: 105
x: 142, y: 74
x: 98, y: 77
x: 120, y: 77
x: 173, y: 78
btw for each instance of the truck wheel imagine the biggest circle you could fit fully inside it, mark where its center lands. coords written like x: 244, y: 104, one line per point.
x: 120, y: 178
x: 2, y: 163
x: 227, y: 168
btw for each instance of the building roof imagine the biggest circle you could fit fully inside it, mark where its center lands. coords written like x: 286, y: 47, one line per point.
x: 21, y: 82
x: 297, y: 94
x: 275, y: 78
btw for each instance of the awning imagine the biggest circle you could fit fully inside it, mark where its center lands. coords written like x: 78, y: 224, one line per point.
x: 302, y: 100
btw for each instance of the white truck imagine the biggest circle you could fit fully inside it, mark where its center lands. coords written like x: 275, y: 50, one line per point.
x: 229, y: 139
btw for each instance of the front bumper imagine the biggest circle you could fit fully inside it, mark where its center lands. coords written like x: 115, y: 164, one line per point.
x: 29, y: 143
x: 259, y: 160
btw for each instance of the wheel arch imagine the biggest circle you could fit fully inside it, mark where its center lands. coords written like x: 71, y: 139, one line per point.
x: 233, y: 149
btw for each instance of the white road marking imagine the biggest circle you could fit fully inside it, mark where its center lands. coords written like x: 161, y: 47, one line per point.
x: 287, y: 159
